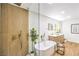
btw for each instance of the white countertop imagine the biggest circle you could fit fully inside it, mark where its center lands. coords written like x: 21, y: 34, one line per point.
x: 56, y: 35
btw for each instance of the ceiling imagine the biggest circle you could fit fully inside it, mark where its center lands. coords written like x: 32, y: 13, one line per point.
x: 58, y: 11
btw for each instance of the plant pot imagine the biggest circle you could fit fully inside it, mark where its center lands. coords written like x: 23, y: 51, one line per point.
x: 32, y: 53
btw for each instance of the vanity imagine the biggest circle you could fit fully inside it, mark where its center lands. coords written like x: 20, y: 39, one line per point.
x: 57, y: 37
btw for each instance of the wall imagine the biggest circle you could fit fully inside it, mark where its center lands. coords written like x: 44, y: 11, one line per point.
x: 33, y: 22
x: 66, y: 26
x: 44, y: 26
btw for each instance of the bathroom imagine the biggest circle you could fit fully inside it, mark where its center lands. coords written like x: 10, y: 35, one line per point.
x: 45, y: 25
x: 55, y: 20
x: 40, y: 29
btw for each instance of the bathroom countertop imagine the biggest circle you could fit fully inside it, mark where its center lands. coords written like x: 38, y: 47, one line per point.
x: 55, y: 35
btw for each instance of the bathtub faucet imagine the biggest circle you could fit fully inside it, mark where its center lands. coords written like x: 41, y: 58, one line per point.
x: 43, y: 37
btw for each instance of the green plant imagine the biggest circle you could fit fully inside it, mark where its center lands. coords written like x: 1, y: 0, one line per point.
x: 34, y: 35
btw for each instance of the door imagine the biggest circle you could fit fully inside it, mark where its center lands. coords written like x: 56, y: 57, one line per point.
x: 15, y: 26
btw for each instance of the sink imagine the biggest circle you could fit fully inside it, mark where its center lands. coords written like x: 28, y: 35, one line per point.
x: 56, y: 35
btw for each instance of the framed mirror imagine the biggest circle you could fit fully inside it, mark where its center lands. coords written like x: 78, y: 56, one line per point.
x: 50, y: 26
x: 75, y: 28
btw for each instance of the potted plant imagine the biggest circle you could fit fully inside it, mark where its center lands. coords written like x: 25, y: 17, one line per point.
x: 34, y: 36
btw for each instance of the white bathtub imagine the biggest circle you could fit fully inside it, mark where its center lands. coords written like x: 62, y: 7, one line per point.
x: 45, y: 48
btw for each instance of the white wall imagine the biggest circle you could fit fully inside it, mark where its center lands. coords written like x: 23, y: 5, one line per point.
x: 66, y: 26
x: 44, y: 25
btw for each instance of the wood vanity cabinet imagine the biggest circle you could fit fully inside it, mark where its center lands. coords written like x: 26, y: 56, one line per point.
x: 13, y: 30
x: 59, y: 38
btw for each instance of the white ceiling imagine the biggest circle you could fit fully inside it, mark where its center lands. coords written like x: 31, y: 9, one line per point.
x: 58, y: 11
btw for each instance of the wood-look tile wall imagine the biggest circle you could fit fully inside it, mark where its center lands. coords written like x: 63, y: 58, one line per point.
x: 13, y: 30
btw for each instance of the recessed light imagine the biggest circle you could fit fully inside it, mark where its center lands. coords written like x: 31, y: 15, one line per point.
x: 62, y: 12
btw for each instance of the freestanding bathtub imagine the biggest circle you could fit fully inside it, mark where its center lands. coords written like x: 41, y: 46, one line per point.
x: 45, y: 48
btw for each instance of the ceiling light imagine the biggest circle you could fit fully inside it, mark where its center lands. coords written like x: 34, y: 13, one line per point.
x: 62, y: 12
